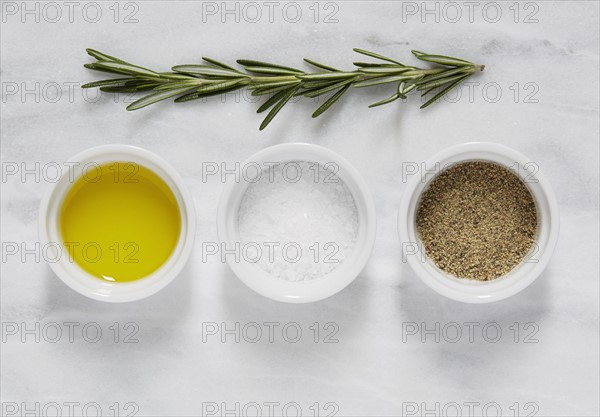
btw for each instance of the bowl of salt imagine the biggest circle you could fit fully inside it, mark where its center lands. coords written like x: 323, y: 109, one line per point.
x: 298, y: 225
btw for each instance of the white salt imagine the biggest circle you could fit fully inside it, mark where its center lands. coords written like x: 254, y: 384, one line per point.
x: 299, y: 221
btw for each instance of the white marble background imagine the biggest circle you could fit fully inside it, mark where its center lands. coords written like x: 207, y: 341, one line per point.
x: 370, y: 370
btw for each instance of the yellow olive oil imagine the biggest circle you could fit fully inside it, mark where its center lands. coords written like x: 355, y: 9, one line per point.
x: 120, y: 221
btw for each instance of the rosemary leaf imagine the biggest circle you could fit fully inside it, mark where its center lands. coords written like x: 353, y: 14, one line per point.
x: 219, y: 86
x: 382, y: 80
x: 178, y: 84
x: 384, y: 70
x: 322, y: 66
x: 126, y: 68
x: 377, y: 56
x: 274, y: 84
x: 114, y: 81
x: 444, y: 91
x: 174, y: 76
x: 401, y: 87
x: 252, y: 63
x: 423, y: 94
x: 205, y: 70
x: 406, y: 90
x: 385, y: 101
x: 272, y: 100
x: 95, y: 67
x: 140, y: 81
x: 219, y: 64
x: 444, y: 74
x: 156, y: 97
x: 195, y: 95
x: 271, y: 70
x: 305, y: 90
x: 318, y: 84
x: 327, y: 89
x: 442, y: 81
x: 127, y: 89
x: 277, y: 107
x: 270, y: 90
x: 324, y: 76
x: 377, y: 65
x: 103, y: 57
x: 370, y: 64
x: 330, y: 101
x: 190, y: 97
x: 444, y: 60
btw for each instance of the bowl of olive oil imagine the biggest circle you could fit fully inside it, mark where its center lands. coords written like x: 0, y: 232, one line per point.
x: 119, y: 223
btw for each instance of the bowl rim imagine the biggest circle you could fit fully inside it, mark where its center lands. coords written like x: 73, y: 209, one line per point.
x: 306, y: 291
x: 469, y: 291
x: 76, y: 277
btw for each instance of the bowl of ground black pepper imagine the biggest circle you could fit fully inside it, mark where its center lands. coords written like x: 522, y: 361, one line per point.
x: 479, y: 223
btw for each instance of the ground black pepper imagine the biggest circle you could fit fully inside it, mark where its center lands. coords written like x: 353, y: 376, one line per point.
x: 477, y: 220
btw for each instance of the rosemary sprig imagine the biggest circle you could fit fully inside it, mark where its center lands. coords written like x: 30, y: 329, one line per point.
x: 281, y: 83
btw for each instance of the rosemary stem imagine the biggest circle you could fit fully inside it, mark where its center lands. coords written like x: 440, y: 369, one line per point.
x: 262, y: 80
x: 281, y: 83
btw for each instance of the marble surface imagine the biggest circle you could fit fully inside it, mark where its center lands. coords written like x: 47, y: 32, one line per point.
x: 544, y: 63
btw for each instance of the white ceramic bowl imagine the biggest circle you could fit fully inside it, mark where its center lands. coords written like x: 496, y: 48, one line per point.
x: 76, y: 277
x: 471, y: 291
x: 303, y: 291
